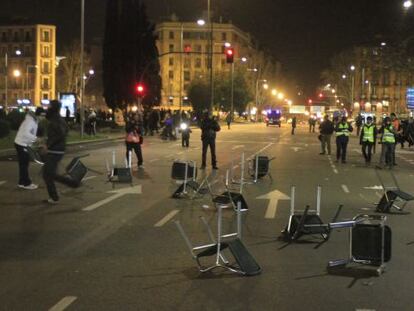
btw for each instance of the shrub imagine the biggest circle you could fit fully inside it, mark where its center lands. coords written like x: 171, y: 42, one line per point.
x: 4, y: 128
x: 15, y: 118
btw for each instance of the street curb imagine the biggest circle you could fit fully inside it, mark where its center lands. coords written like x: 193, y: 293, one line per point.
x: 12, y: 151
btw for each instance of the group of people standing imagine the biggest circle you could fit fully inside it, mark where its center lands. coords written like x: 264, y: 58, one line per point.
x: 369, y: 136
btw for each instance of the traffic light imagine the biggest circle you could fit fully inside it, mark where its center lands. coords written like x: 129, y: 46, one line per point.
x: 229, y: 55
x: 140, y: 89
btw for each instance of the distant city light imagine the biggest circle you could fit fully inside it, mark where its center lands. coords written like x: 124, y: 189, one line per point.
x: 383, y: 43
x: 17, y: 73
x: 227, y: 44
x: 201, y: 22
x: 280, y: 96
x: 352, y: 67
x: 407, y: 4
x: 343, y: 76
x: 274, y: 92
x: 91, y: 72
x: 266, y: 86
x: 244, y: 59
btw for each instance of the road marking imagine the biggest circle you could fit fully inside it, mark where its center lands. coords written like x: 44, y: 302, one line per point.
x: 374, y: 188
x: 296, y: 149
x: 167, y: 218
x: 116, y: 194
x: 180, y: 153
x: 261, y: 150
x: 88, y: 178
x: 63, y: 303
x: 378, y: 194
x: 358, y: 151
x: 274, y: 197
x: 2, y: 182
x: 345, y: 188
x: 335, y: 171
x: 237, y: 147
x: 153, y: 160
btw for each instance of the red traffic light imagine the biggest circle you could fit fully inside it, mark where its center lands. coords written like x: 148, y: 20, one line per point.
x: 229, y: 55
x: 140, y: 89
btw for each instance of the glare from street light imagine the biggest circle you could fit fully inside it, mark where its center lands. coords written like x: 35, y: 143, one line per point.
x: 333, y: 91
x: 201, y: 22
x: 17, y: 73
x: 244, y: 59
x: 366, y: 82
x: 91, y: 72
x: 18, y: 52
x: 407, y: 4
x: 343, y: 76
x: 227, y: 44
x: 352, y: 67
x: 289, y: 102
x: 383, y: 43
x: 266, y: 86
x: 280, y: 96
x: 274, y: 92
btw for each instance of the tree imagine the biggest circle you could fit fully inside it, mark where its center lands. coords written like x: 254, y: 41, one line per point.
x: 130, y: 55
x: 68, y: 72
x: 199, y: 95
x: 241, y: 94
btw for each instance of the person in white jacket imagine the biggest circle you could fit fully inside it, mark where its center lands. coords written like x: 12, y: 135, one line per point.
x: 26, y: 136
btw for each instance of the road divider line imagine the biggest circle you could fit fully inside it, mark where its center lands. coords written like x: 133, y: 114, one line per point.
x: 88, y: 178
x: 63, y: 303
x: 345, y: 188
x: 237, y: 147
x: 116, y: 194
x: 153, y: 160
x: 167, y: 218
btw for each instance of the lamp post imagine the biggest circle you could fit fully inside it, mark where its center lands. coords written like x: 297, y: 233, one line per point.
x: 6, y: 80
x: 82, y: 88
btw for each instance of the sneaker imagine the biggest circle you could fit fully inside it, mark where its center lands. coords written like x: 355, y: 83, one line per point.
x: 28, y: 187
x: 51, y: 201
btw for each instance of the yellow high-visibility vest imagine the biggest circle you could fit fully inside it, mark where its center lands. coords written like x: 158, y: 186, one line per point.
x: 368, y: 133
x: 388, y: 136
x: 343, y: 129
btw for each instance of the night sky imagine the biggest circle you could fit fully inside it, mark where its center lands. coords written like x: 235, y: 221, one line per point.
x: 302, y: 34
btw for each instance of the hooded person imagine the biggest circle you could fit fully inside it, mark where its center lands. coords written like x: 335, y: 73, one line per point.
x: 55, y: 147
x: 25, y: 137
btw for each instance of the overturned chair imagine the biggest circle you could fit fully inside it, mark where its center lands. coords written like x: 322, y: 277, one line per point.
x: 369, y: 241
x: 117, y: 174
x: 244, y: 264
x: 307, y: 222
x: 392, y: 196
x: 260, y: 167
x: 186, y: 173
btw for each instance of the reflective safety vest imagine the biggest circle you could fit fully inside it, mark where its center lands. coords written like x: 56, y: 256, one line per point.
x: 388, y: 136
x: 368, y: 133
x: 343, y: 130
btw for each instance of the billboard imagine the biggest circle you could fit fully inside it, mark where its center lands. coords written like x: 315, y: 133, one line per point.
x: 410, y: 98
x: 297, y: 109
x: 68, y: 101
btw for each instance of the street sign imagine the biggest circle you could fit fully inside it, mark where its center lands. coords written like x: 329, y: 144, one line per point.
x: 274, y: 197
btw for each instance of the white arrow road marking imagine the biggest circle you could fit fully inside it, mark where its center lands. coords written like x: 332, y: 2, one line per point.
x: 63, y: 303
x: 2, y: 182
x: 237, y: 147
x: 374, y: 188
x: 273, y: 197
x: 116, y: 194
x: 167, y: 218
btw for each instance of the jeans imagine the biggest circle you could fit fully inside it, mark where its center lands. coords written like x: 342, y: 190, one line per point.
x: 387, y: 154
x: 341, y: 145
x: 212, y: 144
x: 326, y: 143
x: 50, y: 175
x: 137, y: 149
x: 367, y: 146
x: 24, y: 160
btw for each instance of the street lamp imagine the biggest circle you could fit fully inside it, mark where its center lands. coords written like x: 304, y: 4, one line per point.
x: 201, y: 22
x: 17, y: 73
x: 352, y: 67
x: 407, y: 4
x: 82, y: 44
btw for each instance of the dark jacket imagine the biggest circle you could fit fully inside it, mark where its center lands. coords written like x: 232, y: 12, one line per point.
x: 57, y: 131
x: 209, y: 127
x: 327, y: 127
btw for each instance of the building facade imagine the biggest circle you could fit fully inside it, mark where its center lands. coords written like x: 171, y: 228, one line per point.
x: 178, y: 69
x: 27, y: 61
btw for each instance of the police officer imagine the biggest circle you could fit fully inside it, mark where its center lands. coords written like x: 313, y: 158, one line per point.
x: 209, y: 128
x: 388, y: 144
x: 367, y: 139
x: 342, y: 130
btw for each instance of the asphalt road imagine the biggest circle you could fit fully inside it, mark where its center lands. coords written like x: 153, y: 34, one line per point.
x: 117, y: 248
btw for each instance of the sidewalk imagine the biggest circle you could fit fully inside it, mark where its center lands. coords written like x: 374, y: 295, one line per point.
x: 72, y: 140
